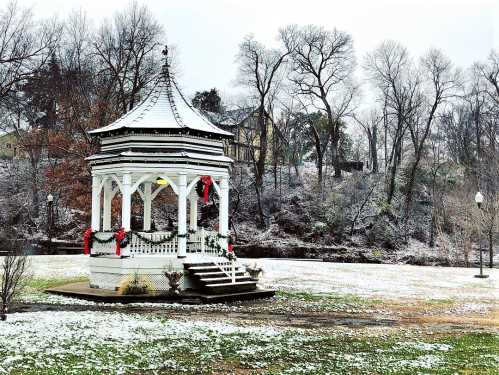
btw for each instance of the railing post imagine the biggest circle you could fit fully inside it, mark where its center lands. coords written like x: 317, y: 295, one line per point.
x: 202, y: 239
x: 233, y: 265
x: 96, y: 203
x: 182, y: 213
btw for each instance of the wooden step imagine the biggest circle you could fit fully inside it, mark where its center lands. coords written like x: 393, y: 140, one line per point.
x: 223, y: 288
x: 207, y: 268
x: 198, y: 264
x: 206, y: 275
x: 225, y: 279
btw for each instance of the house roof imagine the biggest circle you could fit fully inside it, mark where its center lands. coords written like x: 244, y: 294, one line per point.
x: 165, y: 108
x: 231, y: 117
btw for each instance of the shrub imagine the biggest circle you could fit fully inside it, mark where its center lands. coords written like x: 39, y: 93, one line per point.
x: 135, y: 284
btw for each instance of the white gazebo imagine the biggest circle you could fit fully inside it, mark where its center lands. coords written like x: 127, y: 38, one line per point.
x: 161, y: 142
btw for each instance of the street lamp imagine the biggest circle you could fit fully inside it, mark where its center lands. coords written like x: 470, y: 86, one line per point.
x: 479, y: 201
x: 50, y: 218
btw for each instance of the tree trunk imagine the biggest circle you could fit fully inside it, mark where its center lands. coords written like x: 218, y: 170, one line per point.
x: 336, y: 157
x: 260, y: 164
x: 34, y: 192
x: 374, y: 151
x: 491, y: 248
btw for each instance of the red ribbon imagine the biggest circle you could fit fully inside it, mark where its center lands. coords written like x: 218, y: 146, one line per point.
x: 120, y: 236
x: 87, y: 237
x: 230, y: 248
x: 207, y: 181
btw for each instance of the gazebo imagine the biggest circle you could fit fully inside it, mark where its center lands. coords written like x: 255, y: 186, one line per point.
x: 161, y: 142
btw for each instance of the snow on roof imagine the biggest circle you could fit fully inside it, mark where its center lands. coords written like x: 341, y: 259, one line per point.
x: 164, y: 108
x: 231, y: 117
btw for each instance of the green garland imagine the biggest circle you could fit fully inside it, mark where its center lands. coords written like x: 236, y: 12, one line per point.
x: 98, y: 240
x: 158, y: 242
x: 213, y: 244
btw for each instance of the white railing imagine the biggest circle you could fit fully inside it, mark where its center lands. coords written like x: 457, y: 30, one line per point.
x: 138, y: 246
x: 196, y: 244
x: 107, y: 248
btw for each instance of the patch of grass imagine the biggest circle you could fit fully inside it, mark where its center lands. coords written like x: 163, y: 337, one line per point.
x: 329, y: 297
x: 40, y: 284
x: 227, y: 349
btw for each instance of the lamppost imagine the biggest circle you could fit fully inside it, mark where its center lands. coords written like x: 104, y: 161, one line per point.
x: 50, y: 218
x: 479, y: 201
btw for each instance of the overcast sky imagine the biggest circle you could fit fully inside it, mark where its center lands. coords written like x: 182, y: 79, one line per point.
x: 207, y: 32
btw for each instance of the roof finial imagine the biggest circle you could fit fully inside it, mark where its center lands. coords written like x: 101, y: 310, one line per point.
x: 165, y: 70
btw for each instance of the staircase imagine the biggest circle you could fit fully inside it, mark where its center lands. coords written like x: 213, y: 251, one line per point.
x: 212, y: 279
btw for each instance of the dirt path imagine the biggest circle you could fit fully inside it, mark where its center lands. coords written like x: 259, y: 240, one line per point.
x: 393, y: 315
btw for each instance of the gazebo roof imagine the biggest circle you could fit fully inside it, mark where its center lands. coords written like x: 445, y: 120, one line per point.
x: 165, y: 108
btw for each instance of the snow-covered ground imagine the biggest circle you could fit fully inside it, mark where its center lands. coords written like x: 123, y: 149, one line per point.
x: 376, y: 280
x: 382, y: 280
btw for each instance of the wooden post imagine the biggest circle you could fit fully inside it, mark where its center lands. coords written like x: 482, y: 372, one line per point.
x: 193, y: 206
x: 233, y: 266
x: 202, y: 236
x: 96, y: 203
x: 223, y: 214
x: 108, y: 197
x: 126, y: 205
x: 182, y: 216
x: 147, y: 205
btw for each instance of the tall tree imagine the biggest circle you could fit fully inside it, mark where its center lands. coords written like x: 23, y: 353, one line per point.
x: 208, y: 101
x: 322, y: 67
x: 258, y: 70
x: 392, y: 73
x: 25, y: 46
x: 369, y: 124
x: 127, y: 49
x: 439, y: 83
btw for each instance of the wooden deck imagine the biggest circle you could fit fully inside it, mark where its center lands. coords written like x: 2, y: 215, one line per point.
x: 82, y: 290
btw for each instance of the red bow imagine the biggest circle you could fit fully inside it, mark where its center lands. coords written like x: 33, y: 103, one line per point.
x: 207, y: 181
x: 120, y: 236
x: 87, y: 237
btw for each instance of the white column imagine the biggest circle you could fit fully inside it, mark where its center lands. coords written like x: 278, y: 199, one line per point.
x: 182, y: 215
x: 193, y: 206
x: 108, y: 197
x: 96, y: 203
x: 147, y: 205
x: 223, y: 214
x: 126, y: 203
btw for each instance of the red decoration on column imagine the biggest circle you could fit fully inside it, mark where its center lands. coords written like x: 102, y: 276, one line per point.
x: 87, y: 237
x: 207, y: 181
x: 120, y: 236
x: 230, y: 245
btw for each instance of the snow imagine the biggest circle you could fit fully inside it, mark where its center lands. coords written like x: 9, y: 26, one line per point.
x: 381, y: 280
x: 49, y: 266
x: 369, y: 280
x: 45, y: 339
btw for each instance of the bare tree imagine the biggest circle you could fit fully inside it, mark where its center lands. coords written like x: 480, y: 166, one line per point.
x: 391, y: 71
x: 323, y: 62
x: 259, y: 71
x: 126, y: 47
x: 439, y: 83
x: 12, y: 273
x: 370, y: 124
x: 25, y: 46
